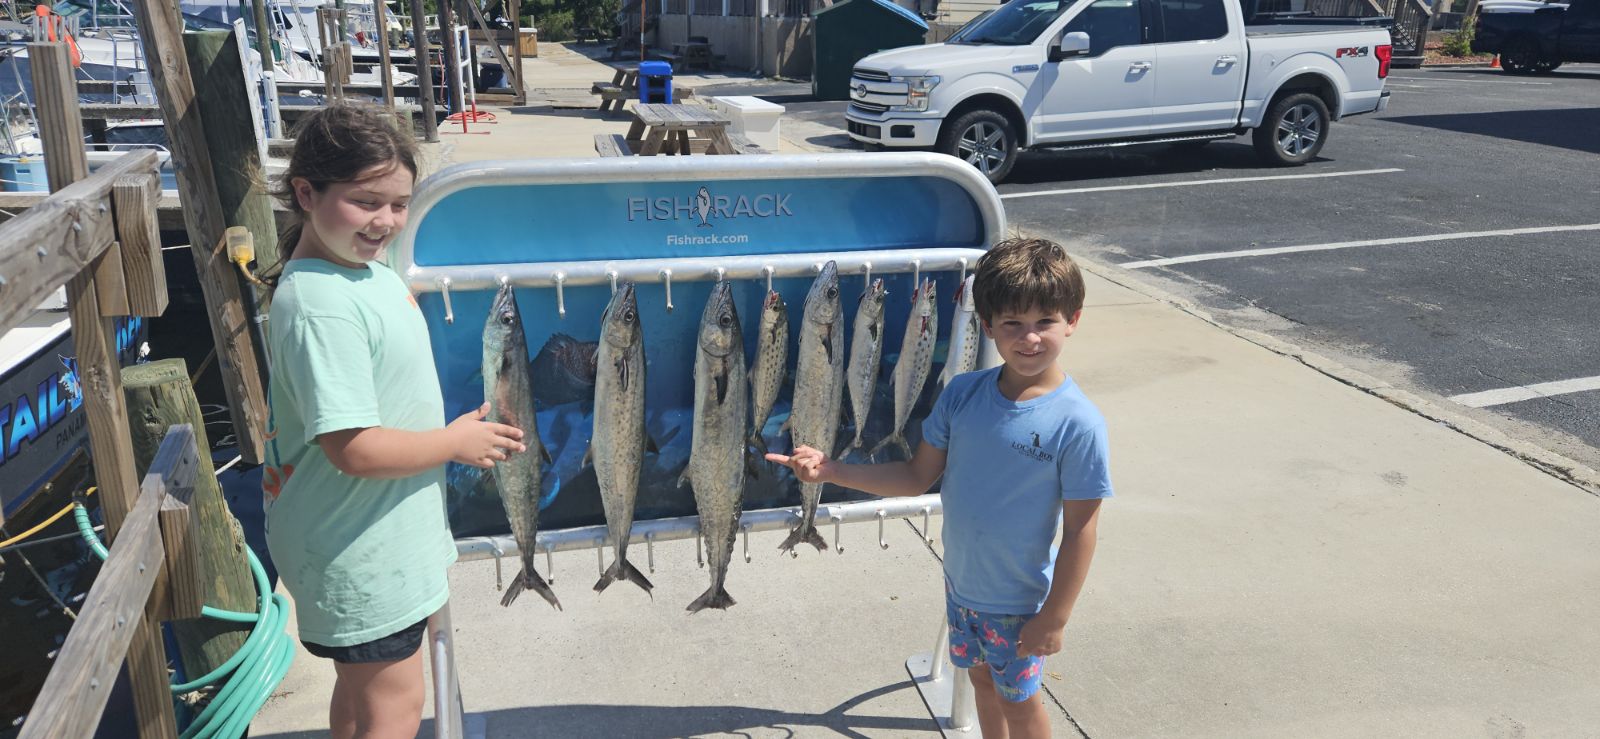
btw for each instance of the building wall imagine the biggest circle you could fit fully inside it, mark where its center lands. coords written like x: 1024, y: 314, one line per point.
x: 786, y: 51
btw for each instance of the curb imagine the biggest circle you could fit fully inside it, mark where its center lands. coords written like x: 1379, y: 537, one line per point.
x: 1567, y: 470
x: 1458, y: 65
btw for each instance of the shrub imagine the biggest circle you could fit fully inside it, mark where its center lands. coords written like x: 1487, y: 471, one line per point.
x: 1460, y: 43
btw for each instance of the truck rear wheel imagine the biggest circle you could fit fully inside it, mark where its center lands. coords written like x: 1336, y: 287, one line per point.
x: 1520, y: 56
x: 1293, y: 131
x: 984, y: 139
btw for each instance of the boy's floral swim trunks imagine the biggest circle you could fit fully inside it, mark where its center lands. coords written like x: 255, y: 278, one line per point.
x: 991, y: 638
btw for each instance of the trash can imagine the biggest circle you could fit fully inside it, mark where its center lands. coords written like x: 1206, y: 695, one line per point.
x: 843, y: 33
x: 655, y: 82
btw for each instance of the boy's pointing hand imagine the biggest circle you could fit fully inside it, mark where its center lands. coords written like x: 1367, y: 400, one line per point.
x: 1040, y: 637
x: 809, y: 465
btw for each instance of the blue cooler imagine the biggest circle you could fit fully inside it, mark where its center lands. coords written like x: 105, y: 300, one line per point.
x: 23, y: 173
x: 655, y: 82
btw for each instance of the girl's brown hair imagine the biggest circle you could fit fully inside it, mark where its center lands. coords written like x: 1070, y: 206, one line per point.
x: 340, y: 143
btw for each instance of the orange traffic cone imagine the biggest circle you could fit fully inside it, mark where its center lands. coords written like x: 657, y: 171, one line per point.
x: 1496, y: 63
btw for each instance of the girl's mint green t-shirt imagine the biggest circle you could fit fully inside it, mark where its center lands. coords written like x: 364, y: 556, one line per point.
x: 363, y: 558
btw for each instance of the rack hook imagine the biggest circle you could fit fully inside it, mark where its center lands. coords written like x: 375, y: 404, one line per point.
x: 768, y: 270
x: 746, y: 529
x: 963, y: 261
x: 882, y: 542
x: 927, y: 513
x: 549, y: 563
x: 561, y: 298
x: 799, y: 521
x: 916, y: 278
x: 600, y: 554
x: 499, y: 578
x: 650, y: 550
x: 699, y: 544
x: 833, y: 515
x: 722, y: 274
x: 444, y: 290
x: 666, y: 277
x: 611, y: 275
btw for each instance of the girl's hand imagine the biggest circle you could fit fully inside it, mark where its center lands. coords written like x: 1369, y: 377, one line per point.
x: 809, y: 465
x: 479, y: 443
x: 1040, y: 637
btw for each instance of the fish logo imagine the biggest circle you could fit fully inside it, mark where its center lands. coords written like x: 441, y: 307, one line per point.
x: 69, y: 382
x: 1036, y: 439
x: 702, y: 207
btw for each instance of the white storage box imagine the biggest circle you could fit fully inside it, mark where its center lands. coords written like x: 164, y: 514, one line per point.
x: 752, y: 117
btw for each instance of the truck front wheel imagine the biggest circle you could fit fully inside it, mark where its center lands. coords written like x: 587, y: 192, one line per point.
x: 1293, y: 131
x: 984, y: 139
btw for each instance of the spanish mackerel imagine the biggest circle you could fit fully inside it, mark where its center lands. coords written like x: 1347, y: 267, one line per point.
x: 911, y: 368
x: 866, y: 351
x: 965, y: 336
x: 772, y: 358
x: 818, y: 391
x: 717, y: 458
x: 617, y: 450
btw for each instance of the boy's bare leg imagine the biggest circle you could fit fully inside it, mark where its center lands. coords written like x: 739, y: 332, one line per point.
x: 1025, y: 719
x: 377, y: 700
x: 991, y: 716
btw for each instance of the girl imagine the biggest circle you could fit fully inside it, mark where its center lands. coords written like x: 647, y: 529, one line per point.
x: 357, y: 442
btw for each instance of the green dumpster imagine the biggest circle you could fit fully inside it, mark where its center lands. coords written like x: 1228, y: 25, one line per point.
x: 845, y: 33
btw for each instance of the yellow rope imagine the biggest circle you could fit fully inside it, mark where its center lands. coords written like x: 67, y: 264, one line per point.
x: 30, y: 532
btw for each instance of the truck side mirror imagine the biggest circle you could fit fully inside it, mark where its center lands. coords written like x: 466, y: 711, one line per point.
x: 1071, y: 44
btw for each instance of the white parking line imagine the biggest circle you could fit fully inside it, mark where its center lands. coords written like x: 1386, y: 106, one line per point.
x: 1526, y: 392
x: 1242, y: 253
x: 1194, y: 183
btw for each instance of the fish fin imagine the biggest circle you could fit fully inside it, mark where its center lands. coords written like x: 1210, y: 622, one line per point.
x: 872, y: 330
x: 544, y: 453
x: 855, y: 444
x: 529, y: 579
x: 905, y: 448
x: 683, y: 479
x: 785, y: 426
x: 722, y: 387
x: 622, y: 370
x: 806, y: 533
x: 650, y: 444
x: 588, y: 455
x: 758, y: 441
x: 622, y: 569
x: 714, y: 597
x: 827, y: 342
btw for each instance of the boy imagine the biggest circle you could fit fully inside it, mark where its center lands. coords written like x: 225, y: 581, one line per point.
x: 1020, y: 448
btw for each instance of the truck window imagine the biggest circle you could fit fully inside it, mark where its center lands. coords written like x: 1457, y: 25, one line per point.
x: 1193, y: 20
x: 1109, y: 23
x: 1016, y: 23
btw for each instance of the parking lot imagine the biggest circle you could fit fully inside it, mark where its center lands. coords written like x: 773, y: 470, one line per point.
x: 1446, y: 246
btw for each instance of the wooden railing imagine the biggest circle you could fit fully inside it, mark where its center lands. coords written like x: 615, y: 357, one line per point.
x: 96, y: 235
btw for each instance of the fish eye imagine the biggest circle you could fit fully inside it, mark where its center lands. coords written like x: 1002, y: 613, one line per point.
x: 833, y: 292
x: 628, y: 316
x: 505, y: 317
x: 725, y: 320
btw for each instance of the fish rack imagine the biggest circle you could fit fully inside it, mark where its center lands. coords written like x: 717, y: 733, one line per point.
x: 945, y: 691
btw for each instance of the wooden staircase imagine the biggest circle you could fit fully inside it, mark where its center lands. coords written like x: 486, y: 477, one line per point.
x: 1409, y: 29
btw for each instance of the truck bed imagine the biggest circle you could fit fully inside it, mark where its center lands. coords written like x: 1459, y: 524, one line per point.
x: 1293, y: 29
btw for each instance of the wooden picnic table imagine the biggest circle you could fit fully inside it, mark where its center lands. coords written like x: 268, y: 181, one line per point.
x: 694, y: 54
x: 660, y: 128
x: 624, y: 86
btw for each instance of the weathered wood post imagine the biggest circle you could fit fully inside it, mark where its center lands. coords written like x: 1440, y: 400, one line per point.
x: 384, y: 73
x: 93, y: 335
x: 520, y: 94
x: 419, y: 45
x: 160, y: 31
x: 452, y: 69
x: 159, y: 395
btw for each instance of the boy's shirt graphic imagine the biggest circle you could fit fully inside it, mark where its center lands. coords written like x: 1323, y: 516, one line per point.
x: 1009, y: 466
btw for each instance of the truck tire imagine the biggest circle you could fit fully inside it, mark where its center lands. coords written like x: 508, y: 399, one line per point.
x: 1293, y: 131
x: 1520, y: 56
x: 984, y: 139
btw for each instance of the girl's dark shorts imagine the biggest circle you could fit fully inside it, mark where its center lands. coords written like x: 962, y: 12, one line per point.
x: 392, y: 648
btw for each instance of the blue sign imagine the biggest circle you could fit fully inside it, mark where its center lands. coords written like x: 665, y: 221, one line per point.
x: 672, y: 209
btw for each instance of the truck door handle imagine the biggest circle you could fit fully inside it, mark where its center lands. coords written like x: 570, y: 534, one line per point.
x: 1227, y: 59
x: 1139, y: 67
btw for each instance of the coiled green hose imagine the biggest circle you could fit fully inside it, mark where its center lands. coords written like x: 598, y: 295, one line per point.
x: 251, y: 674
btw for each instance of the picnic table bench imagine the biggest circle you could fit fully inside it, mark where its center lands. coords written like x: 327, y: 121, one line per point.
x: 675, y: 129
x: 624, y: 86
x: 617, y: 145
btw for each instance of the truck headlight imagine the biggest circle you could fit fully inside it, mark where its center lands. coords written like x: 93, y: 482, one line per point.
x: 917, y: 91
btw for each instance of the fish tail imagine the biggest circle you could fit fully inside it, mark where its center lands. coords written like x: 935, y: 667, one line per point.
x: 622, y: 569
x: 758, y: 441
x: 905, y: 448
x: 715, y: 597
x: 853, y: 444
x: 529, y: 579
x: 897, y: 439
x: 807, y: 533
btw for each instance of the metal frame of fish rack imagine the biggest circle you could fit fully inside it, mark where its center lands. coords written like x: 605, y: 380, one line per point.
x: 945, y: 689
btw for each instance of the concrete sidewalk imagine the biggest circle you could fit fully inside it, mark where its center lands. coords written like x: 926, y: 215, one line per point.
x: 1287, y: 556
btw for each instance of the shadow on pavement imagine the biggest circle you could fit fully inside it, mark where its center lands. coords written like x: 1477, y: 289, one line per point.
x: 1043, y: 167
x: 1568, y: 128
x: 670, y: 722
x: 1560, y: 74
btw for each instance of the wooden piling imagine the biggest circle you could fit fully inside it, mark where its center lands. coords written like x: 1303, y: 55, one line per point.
x: 453, y: 84
x: 419, y: 45
x: 234, y: 141
x: 519, y: 95
x: 159, y: 395
x: 161, y: 33
x: 386, y: 74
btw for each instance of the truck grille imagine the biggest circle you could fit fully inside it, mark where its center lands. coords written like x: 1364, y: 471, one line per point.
x: 864, y: 129
x: 870, y: 74
x: 869, y: 108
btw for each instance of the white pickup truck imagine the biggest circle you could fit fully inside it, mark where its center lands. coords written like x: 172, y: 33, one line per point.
x: 1100, y: 73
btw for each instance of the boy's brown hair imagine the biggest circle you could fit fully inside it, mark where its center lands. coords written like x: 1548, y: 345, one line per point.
x: 1017, y: 275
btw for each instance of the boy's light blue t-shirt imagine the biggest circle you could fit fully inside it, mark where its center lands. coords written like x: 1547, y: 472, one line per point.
x: 1009, y: 466
x: 363, y: 558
